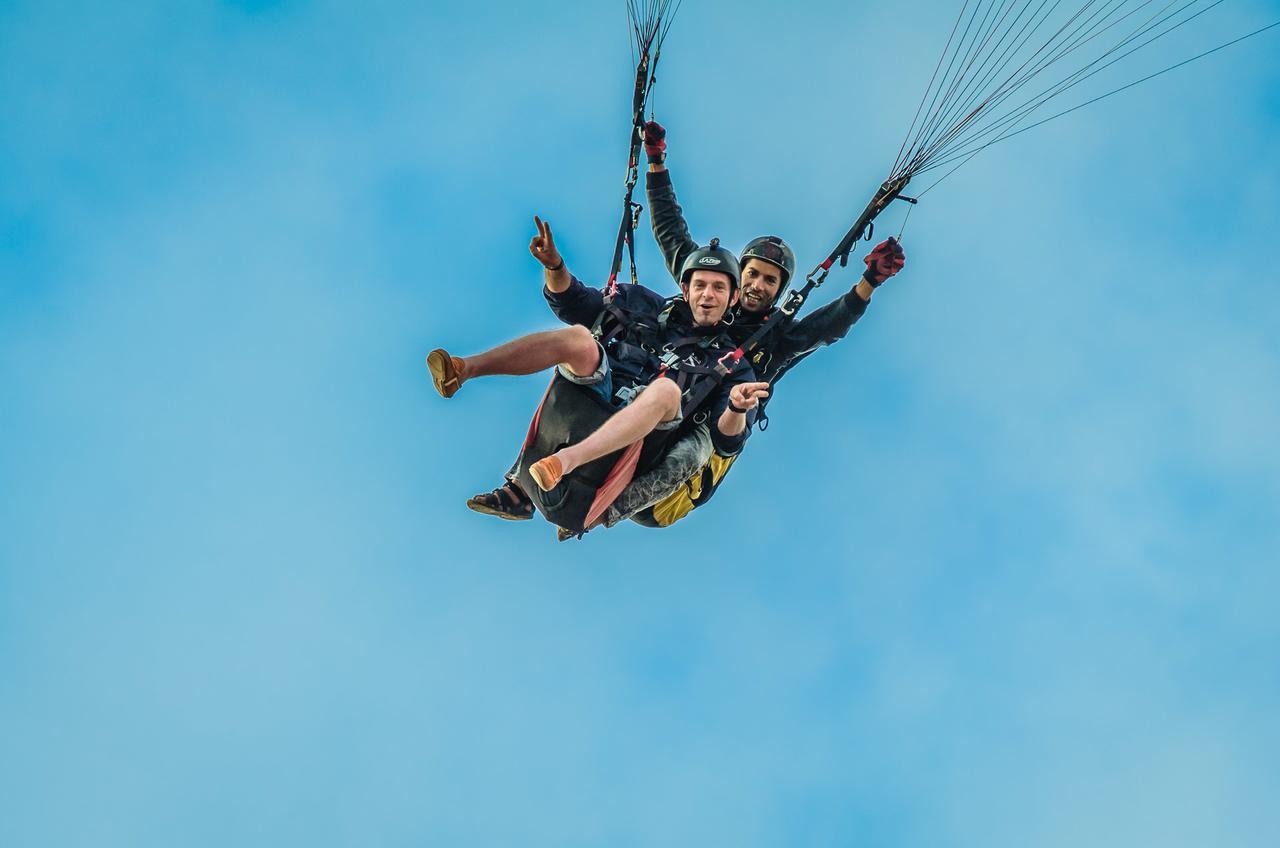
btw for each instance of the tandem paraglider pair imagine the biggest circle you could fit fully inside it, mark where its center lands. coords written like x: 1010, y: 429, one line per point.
x: 633, y: 373
x: 654, y: 397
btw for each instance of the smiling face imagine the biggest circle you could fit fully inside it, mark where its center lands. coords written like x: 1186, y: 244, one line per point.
x: 710, y: 294
x: 760, y: 284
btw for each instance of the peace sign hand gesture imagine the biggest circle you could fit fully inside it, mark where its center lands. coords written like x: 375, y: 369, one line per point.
x: 746, y: 396
x: 543, y: 246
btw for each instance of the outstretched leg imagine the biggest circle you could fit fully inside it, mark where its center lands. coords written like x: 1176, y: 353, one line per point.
x: 573, y: 347
x: 659, y: 402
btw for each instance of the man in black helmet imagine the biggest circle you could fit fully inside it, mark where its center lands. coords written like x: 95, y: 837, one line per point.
x: 642, y: 353
x: 767, y: 266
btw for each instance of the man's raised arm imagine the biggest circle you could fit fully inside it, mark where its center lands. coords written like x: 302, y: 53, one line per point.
x: 669, y: 227
x: 831, y: 322
x: 569, y: 299
x: 543, y: 247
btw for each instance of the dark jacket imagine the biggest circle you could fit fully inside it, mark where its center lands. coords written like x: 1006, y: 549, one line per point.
x: 656, y: 324
x: 785, y: 347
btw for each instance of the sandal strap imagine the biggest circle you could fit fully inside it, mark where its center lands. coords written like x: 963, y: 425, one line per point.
x: 510, y: 497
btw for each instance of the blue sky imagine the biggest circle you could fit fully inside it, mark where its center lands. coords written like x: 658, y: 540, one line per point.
x: 1002, y: 571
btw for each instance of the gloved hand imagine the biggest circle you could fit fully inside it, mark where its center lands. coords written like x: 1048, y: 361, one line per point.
x: 655, y: 142
x: 884, y: 260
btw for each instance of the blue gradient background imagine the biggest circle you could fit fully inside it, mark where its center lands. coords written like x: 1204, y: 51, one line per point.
x: 1002, y: 573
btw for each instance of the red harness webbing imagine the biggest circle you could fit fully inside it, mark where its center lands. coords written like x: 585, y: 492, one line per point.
x: 537, y: 415
x: 623, y: 470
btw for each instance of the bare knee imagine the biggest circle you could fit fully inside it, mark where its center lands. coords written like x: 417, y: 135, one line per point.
x: 575, y: 337
x: 665, y: 394
x: 581, y: 351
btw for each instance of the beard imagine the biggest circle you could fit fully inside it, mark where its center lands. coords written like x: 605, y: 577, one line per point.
x: 755, y: 302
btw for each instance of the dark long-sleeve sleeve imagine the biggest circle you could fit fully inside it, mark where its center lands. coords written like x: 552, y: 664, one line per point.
x: 729, y: 445
x: 578, y: 304
x: 669, y: 227
x: 823, y: 326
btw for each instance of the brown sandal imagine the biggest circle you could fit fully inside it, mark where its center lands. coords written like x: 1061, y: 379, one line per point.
x: 446, y: 372
x: 507, y: 501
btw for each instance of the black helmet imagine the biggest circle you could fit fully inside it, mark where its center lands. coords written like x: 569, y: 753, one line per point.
x: 775, y: 251
x: 713, y: 257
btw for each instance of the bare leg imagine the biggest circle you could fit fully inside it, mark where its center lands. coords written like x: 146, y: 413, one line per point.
x: 660, y: 401
x: 574, y: 347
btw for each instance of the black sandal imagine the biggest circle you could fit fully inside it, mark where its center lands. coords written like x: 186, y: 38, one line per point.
x: 507, y: 501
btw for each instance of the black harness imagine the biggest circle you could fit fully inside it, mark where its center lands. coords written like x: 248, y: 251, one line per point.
x: 570, y: 412
x: 644, y: 343
x: 887, y: 193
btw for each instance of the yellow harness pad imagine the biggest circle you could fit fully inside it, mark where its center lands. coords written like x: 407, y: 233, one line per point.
x: 686, y: 499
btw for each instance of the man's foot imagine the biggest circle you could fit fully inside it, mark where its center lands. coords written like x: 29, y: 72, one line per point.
x: 508, y: 501
x: 446, y: 372
x: 564, y: 534
x: 547, y: 472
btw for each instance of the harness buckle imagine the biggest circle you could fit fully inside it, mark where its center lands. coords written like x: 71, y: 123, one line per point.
x: 735, y: 355
x: 794, y: 301
x: 626, y: 394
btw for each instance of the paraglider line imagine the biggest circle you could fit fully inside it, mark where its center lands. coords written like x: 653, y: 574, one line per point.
x: 1102, y: 97
x: 1144, y: 79
x: 950, y: 146
x: 1017, y: 115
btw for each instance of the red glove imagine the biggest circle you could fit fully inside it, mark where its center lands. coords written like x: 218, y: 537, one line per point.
x: 885, y: 260
x: 655, y: 142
